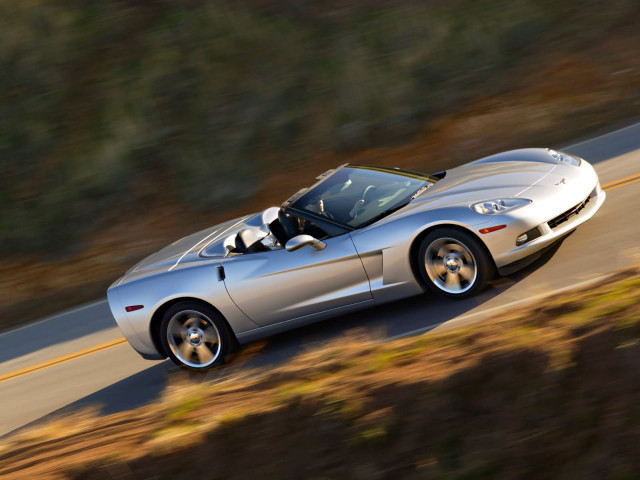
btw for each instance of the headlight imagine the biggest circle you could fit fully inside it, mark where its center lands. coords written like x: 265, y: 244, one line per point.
x: 562, y: 157
x: 500, y: 205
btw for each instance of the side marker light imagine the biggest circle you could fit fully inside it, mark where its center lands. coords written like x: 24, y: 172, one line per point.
x: 492, y: 229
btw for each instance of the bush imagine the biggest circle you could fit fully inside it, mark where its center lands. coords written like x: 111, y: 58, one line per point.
x: 110, y: 105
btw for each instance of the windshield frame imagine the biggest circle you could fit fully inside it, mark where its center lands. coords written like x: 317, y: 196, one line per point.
x: 296, y: 202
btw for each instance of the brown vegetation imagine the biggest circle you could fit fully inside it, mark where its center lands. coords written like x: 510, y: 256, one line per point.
x: 554, y: 97
x: 547, y: 392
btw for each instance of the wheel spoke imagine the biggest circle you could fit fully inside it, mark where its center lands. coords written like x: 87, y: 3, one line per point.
x: 440, y: 268
x: 204, y: 354
x: 452, y: 281
x: 211, y: 336
x: 453, y: 248
x: 177, y: 330
x: 186, y: 350
x: 467, y: 272
x: 442, y: 251
x: 192, y: 322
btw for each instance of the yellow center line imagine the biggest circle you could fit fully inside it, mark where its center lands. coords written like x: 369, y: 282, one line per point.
x: 119, y: 341
x: 621, y: 182
x: 63, y: 359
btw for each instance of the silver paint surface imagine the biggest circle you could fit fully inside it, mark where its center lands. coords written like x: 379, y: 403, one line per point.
x: 271, y: 291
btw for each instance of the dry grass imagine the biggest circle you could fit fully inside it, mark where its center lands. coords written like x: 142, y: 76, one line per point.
x: 545, y: 392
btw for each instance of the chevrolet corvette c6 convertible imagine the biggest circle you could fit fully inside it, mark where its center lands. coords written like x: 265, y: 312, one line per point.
x: 358, y: 237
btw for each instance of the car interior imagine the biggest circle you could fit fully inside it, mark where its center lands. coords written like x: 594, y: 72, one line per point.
x: 281, y: 229
x: 350, y: 198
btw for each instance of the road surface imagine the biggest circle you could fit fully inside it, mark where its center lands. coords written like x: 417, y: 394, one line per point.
x: 79, y: 358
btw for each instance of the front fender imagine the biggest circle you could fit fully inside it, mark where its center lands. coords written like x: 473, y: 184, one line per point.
x: 385, y: 247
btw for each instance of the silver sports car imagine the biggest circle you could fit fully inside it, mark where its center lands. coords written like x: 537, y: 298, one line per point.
x: 360, y: 236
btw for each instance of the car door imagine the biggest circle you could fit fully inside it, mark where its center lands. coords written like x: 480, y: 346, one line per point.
x: 274, y: 286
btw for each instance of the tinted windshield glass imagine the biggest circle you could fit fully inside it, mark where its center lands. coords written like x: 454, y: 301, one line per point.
x: 357, y: 196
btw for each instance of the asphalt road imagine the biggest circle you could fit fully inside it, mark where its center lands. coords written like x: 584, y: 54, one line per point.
x: 77, y: 358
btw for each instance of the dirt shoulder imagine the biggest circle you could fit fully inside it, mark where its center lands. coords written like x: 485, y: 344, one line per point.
x: 548, y: 391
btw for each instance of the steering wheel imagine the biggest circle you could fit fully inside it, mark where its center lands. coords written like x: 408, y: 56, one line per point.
x: 323, y: 211
x: 368, y: 193
x: 289, y: 227
x: 366, y: 197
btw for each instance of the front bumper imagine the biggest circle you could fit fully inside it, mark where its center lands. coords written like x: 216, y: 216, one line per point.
x: 550, y: 230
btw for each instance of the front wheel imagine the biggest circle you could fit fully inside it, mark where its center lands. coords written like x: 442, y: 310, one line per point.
x: 194, y: 335
x: 453, y: 263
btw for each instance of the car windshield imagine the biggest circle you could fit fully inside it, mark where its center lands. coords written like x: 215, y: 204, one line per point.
x: 356, y: 196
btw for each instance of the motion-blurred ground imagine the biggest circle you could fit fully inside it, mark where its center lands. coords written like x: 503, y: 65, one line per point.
x: 550, y: 391
x: 124, y: 125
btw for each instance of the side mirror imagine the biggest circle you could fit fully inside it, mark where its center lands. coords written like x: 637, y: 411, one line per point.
x: 300, y: 241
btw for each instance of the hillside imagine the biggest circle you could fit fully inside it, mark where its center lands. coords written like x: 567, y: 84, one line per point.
x: 127, y: 125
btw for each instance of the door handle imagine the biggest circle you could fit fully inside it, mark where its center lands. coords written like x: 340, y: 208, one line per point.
x: 221, y: 275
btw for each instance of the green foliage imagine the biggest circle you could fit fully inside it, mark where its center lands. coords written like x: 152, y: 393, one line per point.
x: 108, y: 104
x: 184, y: 407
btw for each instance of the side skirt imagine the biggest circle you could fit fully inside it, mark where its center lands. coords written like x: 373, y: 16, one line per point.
x: 266, y: 331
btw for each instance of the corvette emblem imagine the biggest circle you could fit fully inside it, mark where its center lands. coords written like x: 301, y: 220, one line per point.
x: 562, y: 182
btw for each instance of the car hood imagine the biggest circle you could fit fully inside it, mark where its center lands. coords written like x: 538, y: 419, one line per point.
x: 510, y: 174
x: 517, y: 177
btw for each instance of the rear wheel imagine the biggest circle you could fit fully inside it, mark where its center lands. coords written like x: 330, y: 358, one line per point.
x: 453, y: 263
x: 194, y: 335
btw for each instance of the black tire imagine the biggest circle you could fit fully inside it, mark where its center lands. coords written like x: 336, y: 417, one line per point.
x: 454, y: 263
x: 195, y: 336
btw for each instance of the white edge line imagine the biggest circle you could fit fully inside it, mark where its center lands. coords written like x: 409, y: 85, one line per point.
x: 57, y: 315
x: 600, y: 137
x: 498, y: 308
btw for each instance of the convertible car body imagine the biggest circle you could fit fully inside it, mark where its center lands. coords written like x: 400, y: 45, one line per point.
x: 360, y: 236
